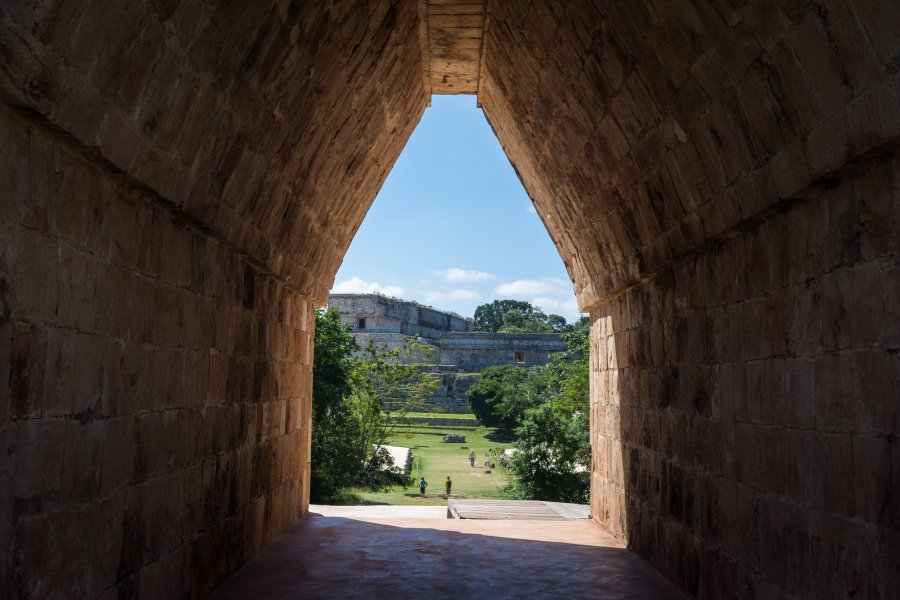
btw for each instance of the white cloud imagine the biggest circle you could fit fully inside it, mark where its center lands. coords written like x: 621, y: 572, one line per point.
x: 355, y: 285
x: 460, y: 275
x: 567, y: 308
x: 531, y: 209
x: 457, y: 294
x: 531, y: 287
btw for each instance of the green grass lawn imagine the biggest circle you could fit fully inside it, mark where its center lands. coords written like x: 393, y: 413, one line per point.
x: 435, y: 460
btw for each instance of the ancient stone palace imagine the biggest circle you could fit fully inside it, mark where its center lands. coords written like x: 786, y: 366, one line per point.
x: 457, y: 352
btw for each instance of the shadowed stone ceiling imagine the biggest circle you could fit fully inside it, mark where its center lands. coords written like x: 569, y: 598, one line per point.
x: 640, y: 129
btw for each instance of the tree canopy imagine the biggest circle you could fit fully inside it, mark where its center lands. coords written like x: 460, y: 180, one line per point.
x: 336, y: 430
x: 502, y: 395
x: 359, y: 396
x: 548, y: 408
x: 516, y: 316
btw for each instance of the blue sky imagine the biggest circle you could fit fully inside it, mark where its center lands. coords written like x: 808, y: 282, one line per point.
x: 452, y: 227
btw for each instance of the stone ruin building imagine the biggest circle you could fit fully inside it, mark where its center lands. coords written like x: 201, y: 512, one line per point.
x: 179, y: 181
x: 458, y: 353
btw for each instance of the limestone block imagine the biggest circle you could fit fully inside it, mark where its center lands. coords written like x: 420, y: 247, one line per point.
x: 877, y: 229
x: 874, y: 116
x: 81, y: 473
x: 799, y: 393
x: 34, y: 274
x: 828, y: 146
x: 845, y: 557
x: 38, y: 457
x: 117, y: 453
x: 852, y: 309
x: 872, y: 456
x: 27, y: 371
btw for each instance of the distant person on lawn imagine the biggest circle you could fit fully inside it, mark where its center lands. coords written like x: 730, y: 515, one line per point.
x: 448, y: 484
x: 422, y: 485
x: 472, y: 458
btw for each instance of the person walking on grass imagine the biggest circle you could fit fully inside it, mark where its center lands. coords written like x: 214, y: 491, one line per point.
x: 422, y: 485
x: 472, y: 458
x: 448, y: 484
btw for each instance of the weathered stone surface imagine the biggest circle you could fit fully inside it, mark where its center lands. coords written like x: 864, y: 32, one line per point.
x: 718, y: 178
x: 797, y: 445
x: 105, y: 384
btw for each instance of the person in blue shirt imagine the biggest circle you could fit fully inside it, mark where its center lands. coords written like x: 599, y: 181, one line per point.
x: 422, y: 485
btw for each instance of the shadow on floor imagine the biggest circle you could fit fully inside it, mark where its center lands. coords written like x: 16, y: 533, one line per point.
x: 347, y: 558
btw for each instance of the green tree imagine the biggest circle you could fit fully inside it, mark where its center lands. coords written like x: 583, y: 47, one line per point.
x: 515, y: 316
x: 553, y: 447
x: 552, y: 461
x: 359, y: 397
x: 567, y: 373
x: 502, y: 394
x: 385, y: 385
x: 336, y: 430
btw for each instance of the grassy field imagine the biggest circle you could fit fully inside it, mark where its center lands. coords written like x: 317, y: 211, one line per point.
x: 435, y: 460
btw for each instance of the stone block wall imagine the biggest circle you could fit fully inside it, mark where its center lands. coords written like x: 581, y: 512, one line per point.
x: 391, y: 315
x: 745, y: 403
x: 154, y: 387
x: 475, y: 351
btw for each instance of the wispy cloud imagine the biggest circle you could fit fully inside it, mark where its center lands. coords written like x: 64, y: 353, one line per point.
x: 457, y: 294
x: 460, y: 275
x: 532, y: 287
x: 531, y: 209
x: 566, y: 308
x: 356, y: 285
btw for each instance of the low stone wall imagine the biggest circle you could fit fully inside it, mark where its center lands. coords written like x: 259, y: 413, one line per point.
x: 475, y: 351
x: 448, y: 421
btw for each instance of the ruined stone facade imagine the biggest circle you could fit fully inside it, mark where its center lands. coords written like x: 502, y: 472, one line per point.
x: 179, y: 182
x: 391, y: 322
x: 456, y: 351
x: 374, y: 313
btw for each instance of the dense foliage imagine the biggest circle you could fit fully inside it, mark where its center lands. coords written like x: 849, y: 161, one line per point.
x: 501, y: 395
x: 336, y: 429
x: 359, y: 396
x: 385, y: 385
x: 548, y: 408
x: 516, y: 316
x: 553, y: 457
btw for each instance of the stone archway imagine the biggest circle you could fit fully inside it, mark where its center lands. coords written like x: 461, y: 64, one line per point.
x: 181, y: 180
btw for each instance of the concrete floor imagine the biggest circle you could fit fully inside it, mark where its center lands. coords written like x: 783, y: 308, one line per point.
x: 407, y: 552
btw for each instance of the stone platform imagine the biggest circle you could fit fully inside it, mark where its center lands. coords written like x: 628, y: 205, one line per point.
x: 532, y: 510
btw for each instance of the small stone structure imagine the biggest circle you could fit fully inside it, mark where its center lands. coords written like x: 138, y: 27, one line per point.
x: 453, y: 438
x: 459, y: 353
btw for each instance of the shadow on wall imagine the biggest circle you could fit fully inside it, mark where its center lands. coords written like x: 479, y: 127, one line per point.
x: 744, y: 405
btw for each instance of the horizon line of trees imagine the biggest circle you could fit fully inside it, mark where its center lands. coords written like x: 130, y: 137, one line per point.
x: 518, y: 316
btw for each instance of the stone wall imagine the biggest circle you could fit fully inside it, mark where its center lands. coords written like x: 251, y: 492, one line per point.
x: 164, y: 239
x: 745, y: 404
x: 718, y: 178
x: 154, y: 387
x: 391, y: 315
x: 475, y: 351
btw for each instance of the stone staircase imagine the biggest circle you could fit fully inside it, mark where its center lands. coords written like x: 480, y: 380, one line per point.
x: 450, y: 396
